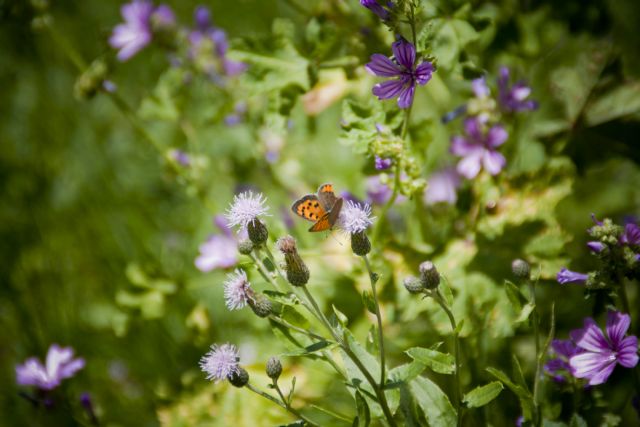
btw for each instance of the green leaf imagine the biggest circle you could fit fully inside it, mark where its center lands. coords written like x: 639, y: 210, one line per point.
x: 435, y: 404
x: 364, y: 415
x: 577, y: 421
x: 482, y: 395
x: 515, y: 295
x: 517, y: 372
x: 311, y: 349
x: 447, y: 294
x: 525, y: 397
x: 406, y: 372
x: 619, y: 102
x: 340, y: 316
x: 442, y: 363
x: 450, y: 37
x: 283, y: 298
x: 525, y: 312
x: 369, y: 302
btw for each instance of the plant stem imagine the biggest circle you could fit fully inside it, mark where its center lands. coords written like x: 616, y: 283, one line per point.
x: 456, y: 351
x: 382, y: 400
x: 264, y: 272
x: 536, y: 337
x: 373, y: 281
x: 296, y: 328
x: 282, y: 404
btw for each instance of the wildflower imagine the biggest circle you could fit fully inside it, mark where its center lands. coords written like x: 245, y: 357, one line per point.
x: 220, y: 250
x: 376, y: 8
x: 59, y: 365
x: 596, y: 247
x: 237, y: 290
x: 296, y: 269
x: 181, y: 157
x: 478, y: 149
x: 378, y: 193
x: 220, y: 362
x: 136, y: 32
x: 429, y: 275
x: 442, y: 187
x: 239, y: 379
x: 631, y: 234
x: 355, y: 218
x: 513, y: 98
x: 246, y: 208
x: 567, y: 276
x: 274, y: 368
x: 404, y: 67
x: 383, y: 163
x: 602, y: 354
x: 562, y: 350
x: 480, y: 88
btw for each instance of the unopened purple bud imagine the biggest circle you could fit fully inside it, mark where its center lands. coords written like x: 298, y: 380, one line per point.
x: 567, y: 276
x: 383, y: 163
x: 596, y: 247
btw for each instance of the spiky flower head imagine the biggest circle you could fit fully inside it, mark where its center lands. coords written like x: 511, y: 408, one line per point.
x: 274, y: 368
x: 297, y: 271
x: 237, y: 290
x: 355, y: 217
x: 246, y: 207
x: 429, y: 275
x: 220, y: 362
x: 260, y: 305
x: 413, y: 285
x: 239, y: 379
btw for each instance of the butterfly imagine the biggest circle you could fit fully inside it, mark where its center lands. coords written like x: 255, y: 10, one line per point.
x: 323, y: 208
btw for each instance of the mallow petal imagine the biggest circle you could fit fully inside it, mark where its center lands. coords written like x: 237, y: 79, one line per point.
x: 382, y: 66
x: 469, y: 167
x: 493, y: 162
x: 591, y: 338
x: 628, y: 352
x: 617, y: 326
x: 423, y: 72
x: 388, y: 89
x: 406, y: 96
x: 497, y: 136
x: 589, y: 365
x: 405, y: 53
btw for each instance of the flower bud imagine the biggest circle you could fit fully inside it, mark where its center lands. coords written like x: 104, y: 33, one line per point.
x: 258, y: 233
x: 274, y: 368
x: 360, y: 243
x: 260, y: 305
x: 520, y: 268
x: 239, y: 378
x: 413, y: 285
x: 90, y: 82
x: 429, y: 275
x: 245, y: 246
x: 297, y: 271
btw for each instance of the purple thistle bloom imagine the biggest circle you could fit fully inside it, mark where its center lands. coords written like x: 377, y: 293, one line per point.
x: 383, y: 163
x: 136, y: 32
x: 442, y: 187
x: 220, y: 362
x: 478, y: 148
x: 376, y: 8
x: 567, y: 276
x: 220, y: 250
x: 596, y: 247
x: 237, y: 290
x: 513, y: 98
x: 355, y: 218
x: 245, y: 208
x: 631, y: 234
x: 558, y: 366
x: 404, y: 67
x: 602, y: 354
x: 59, y: 365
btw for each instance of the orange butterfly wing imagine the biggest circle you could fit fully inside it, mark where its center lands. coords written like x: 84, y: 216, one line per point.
x: 328, y: 220
x: 309, y: 208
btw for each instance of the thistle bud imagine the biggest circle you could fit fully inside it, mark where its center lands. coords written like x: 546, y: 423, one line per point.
x: 245, y: 246
x: 260, y: 305
x: 520, y: 268
x: 413, y: 285
x: 297, y: 271
x: 274, y: 368
x: 239, y: 378
x: 360, y: 243
x: 429, y: 275
x: 258, y: 233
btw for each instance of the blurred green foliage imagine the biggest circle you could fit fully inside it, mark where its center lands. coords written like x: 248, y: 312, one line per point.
x: 99, y: 228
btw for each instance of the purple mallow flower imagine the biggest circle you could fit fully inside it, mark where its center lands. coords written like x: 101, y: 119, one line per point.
x: 558, y: 365
x: 602, y: 354
x: 478, y: 148
x: 631, y: 234
x: 567, y: 276
x: 220, y: 362
x: 59, y: 365
x: 382, y: 163
x: 513, y: 98
x: 378, y: 193
x: 443, y: 186
x: 403, y: 66
x: 220, y: 250
x: 136, y: 32
x: 376, y: 8
x: 595, y: 246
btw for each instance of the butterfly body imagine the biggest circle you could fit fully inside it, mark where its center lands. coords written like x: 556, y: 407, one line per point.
x: 322, y: 208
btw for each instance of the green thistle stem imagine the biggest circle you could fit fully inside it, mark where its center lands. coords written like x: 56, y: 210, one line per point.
x: 373, y: 280
x: 282, y: 404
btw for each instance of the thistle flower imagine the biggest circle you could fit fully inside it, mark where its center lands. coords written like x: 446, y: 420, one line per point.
x: 220, y: 250
x: 478, y: 148
x: 567, y: 276
x: 237, y: 290
x: 246, y: 208
x: 403, y: 66
x: 561, y: 351
x: 376, y: 8
x: 355, y: 218
x: 442, y: 188
x: 220, y: 362
x: 136, y: 32
x: 601, y: 354
x: 513, y: 98
x: 59, y: 365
